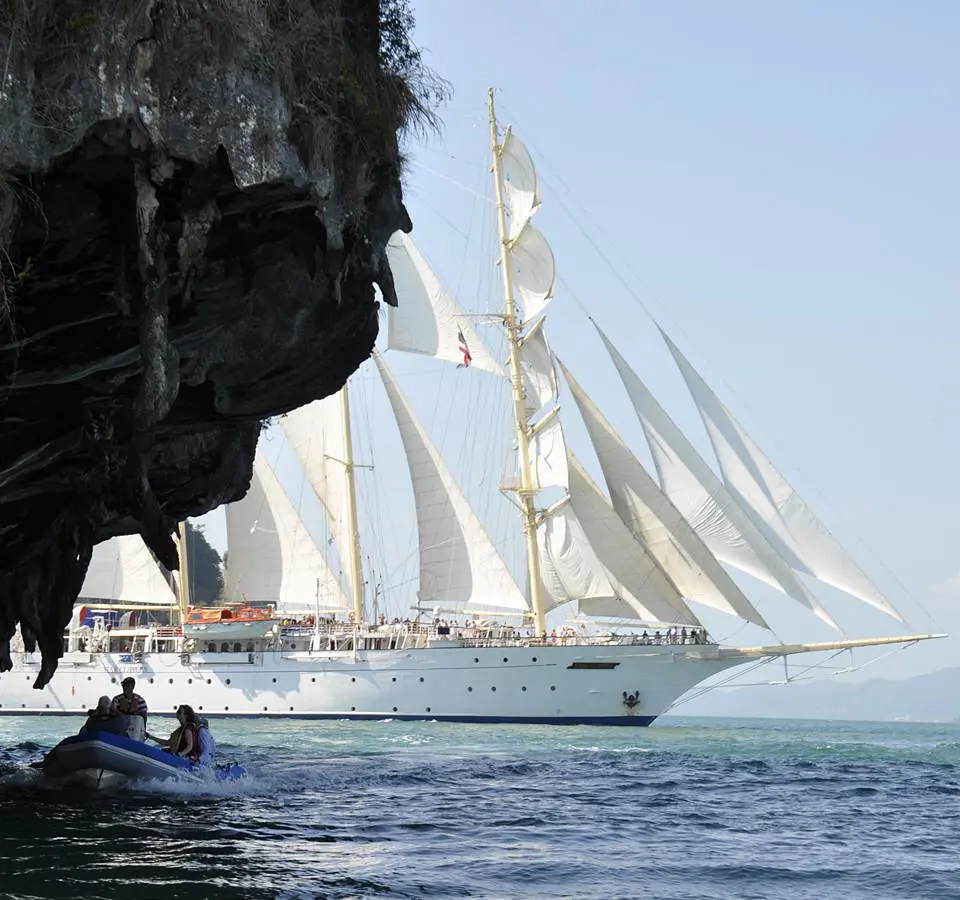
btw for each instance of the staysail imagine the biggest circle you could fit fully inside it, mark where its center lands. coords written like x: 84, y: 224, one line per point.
x: 123, y: 570
x: 653, y: 518
x: 458, y: 562
x: 778, y: 510
x: 427, y: 319
x: 703, y: 500
x: 271, y: 556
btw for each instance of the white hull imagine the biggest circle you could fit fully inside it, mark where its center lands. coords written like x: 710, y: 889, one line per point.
x: 585, y: 684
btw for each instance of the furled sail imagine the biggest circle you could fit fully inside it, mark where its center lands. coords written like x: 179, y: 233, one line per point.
x: 634, y: 573
x: 315, y: 433
x: 427, y: 319
x: 652, y: 518
x: 778, y: 510
x: 123, y: 570
x: 271, y: 557
x: 520, y: 183
x: 458, y: 561
x: 702, y: 499
x: 539, y: 375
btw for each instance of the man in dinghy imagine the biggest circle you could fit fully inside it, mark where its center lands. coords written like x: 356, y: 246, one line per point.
x: 128, y: 702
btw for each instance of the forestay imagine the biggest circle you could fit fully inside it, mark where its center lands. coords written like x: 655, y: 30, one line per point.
x: 778, y: 510
x: 123, y: 570
x: 271, y: 556
x: 700, y: 496
x: 458, y: 562
x: 656, y: 522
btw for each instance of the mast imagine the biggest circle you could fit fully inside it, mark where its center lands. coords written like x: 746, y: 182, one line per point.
x: 354, y: 563
x: 527, y: 490
x: 183, y: 595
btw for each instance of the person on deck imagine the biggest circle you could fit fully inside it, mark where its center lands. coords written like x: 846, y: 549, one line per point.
x: 128, y: 702
x: 184, y: 740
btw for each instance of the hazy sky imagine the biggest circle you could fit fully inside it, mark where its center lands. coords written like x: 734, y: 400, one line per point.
x: 777, y: 184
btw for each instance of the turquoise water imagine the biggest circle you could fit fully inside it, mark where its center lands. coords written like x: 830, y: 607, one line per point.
x: 691, y: 808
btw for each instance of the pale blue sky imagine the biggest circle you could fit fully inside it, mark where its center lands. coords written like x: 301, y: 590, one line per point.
x: 778, y: 184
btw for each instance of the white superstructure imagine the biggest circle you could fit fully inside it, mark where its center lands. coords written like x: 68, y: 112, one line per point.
x: 641, y: 555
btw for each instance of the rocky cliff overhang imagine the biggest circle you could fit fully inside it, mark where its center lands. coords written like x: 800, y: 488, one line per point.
x: 194, y: 204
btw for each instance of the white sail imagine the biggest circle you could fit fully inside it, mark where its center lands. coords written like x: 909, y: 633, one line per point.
x: 702, y: 499
x: 122, y: 570
x: 315, y: 434
x: 652, y: 518
x: 548, y: 452
x: 271, y: 557
x: 427, y: 319
x: 571, y: 572
x: 634, y: 573
x: 458, y: 561
x: 803, y: 539
x: 519, y: 182
x: 539, y: 375
x: 534, y: 271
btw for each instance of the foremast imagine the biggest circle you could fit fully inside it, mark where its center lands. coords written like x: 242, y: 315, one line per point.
x: 527, y: 490
x: 183, y: 588
x: 354, y: 564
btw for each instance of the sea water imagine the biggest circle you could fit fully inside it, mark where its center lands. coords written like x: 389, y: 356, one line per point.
x: 690, y: 808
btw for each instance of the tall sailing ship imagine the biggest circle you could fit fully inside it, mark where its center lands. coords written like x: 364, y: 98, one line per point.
x: 304, y: 638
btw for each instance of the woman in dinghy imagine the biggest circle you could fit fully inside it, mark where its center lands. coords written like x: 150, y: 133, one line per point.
x: 185, y: 740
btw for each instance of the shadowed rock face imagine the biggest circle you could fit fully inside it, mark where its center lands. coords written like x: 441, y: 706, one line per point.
x: 191, y: 240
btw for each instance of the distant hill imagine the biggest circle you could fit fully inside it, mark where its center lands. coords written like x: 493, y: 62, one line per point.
x: 934, y: 697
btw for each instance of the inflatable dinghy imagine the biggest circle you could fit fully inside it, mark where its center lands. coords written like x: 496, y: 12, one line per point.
x: 95, y: 754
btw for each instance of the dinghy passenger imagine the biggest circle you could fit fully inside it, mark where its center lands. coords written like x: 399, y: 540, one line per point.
x: 184, y: 740
x: 205, y: 741
x: 100, y: 718
x: 128, y: 702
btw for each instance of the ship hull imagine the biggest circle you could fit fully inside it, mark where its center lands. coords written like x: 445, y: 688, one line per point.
x: 562, y: 685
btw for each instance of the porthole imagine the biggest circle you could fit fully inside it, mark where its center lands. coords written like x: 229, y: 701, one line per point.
x: 48, y: 706
x: 493, y: 688
x: 113, y: 681
x: 505, y: 659
x: 553, y: 687
x: 421, y: 679
x: 353, y: 679
x: 293, y: 646
x: 171, y: 681
x: 151, y: 681
x: 469, y: 688
x: 23, y: 705
x: 200, y: 708
x: 264, y: 709
x: 208, y: 681
x: 476, y: 659
x: 88, y: 678
x: 274, y: 680
x: 313, y: 680
x: 523, y: 688
x: 291, y: 709
x: 228, y: 681
x: 174, y: 708
x: 534, y: 659
x: 189, y: 681
x: 393, y: 679
x: 394, y: 709
x: 226, y: 709
x: 353, y: 709
x: 428, y: 709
